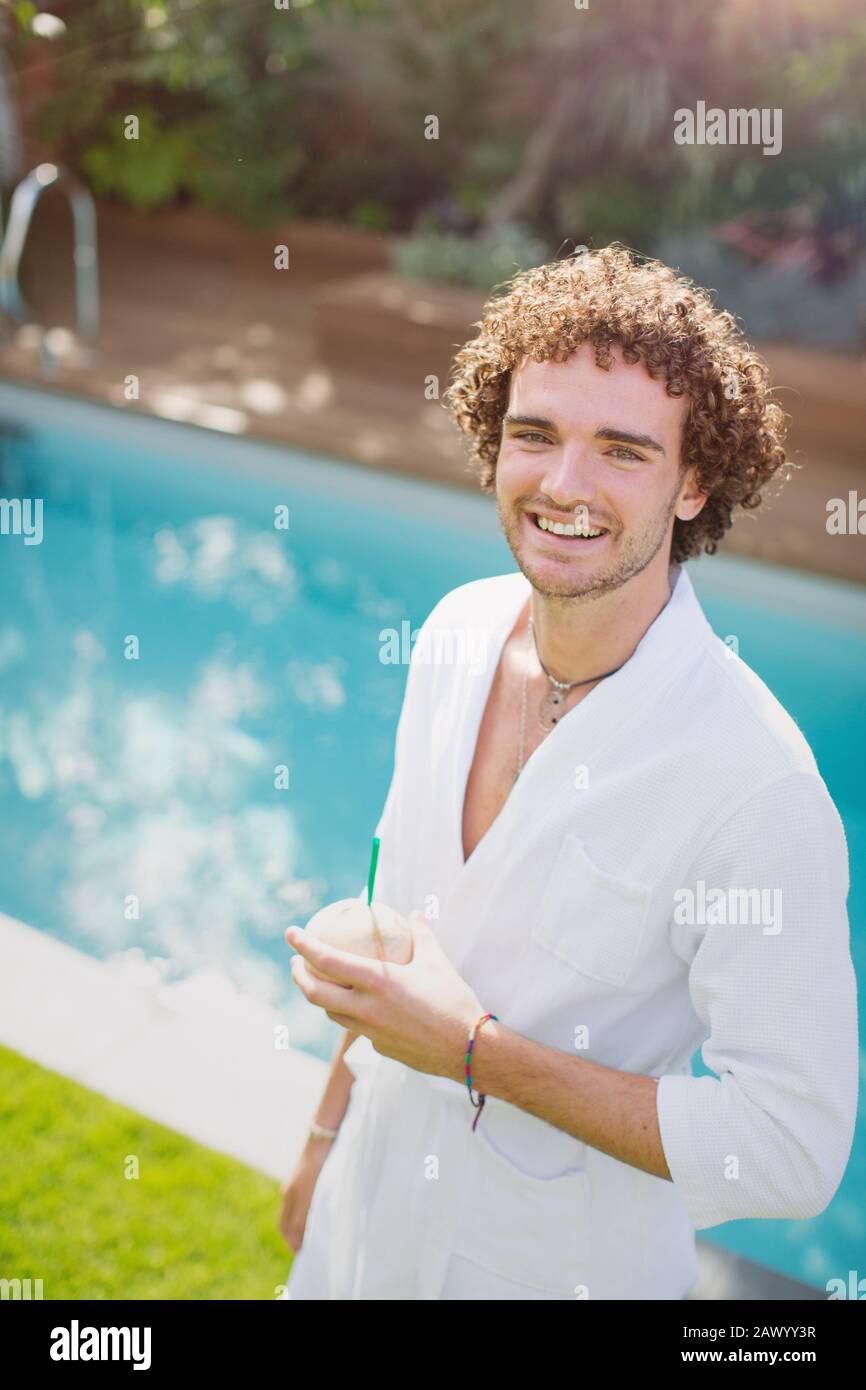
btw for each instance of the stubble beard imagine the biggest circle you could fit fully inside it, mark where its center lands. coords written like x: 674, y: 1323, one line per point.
x: 636, y: 552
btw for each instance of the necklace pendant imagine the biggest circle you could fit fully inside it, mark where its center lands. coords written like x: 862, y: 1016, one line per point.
x: 550, y: 709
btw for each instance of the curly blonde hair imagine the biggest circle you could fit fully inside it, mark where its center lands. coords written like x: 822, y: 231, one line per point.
x: 733, y: 432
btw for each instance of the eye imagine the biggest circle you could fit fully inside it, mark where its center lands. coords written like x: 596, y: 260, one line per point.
x: 622, y: 451
x: 533, y: 435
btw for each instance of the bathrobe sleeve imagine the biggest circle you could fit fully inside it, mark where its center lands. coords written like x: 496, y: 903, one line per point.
x: 387, y: 828
x: 385, y: 888
x: 770, y: 1134
x: 390, y: 826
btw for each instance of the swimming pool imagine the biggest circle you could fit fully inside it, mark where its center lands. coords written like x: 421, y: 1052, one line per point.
x: 165, y: 649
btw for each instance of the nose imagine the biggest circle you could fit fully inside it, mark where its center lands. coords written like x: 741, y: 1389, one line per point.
x: 570, y: 480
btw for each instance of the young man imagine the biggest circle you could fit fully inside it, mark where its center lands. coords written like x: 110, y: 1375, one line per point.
x: 621, y: 844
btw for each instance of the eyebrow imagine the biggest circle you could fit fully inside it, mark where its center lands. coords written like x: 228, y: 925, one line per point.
x: 611, y: 432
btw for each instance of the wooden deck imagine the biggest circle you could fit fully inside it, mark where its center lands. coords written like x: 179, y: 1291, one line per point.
x: 195, y: 310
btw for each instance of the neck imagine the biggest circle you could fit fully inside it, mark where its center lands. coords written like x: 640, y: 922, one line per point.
x: 579, y: 638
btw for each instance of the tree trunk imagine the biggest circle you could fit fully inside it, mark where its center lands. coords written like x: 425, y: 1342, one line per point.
x: 10, y: 128
x: 524, y: 189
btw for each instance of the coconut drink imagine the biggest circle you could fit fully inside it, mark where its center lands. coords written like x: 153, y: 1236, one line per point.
x: 363, y: 929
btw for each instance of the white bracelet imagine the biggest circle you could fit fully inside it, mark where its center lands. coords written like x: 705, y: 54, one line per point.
x: 320, y: 1132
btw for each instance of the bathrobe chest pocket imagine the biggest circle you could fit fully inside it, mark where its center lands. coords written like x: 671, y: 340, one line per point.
x: 590, y: 920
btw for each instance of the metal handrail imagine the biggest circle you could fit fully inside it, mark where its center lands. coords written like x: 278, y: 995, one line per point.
x: 24, y: 199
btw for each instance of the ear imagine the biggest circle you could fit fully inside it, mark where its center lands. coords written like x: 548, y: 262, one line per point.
x: 691, y: 499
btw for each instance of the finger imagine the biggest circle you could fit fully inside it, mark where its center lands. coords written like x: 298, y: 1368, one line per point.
x: 344, y: 966
x: 343, y: 1019
x: 325, y: 994
x: 307, y: 979
x: 301, y: 977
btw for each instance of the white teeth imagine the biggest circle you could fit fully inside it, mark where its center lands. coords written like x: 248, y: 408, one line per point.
x: 559, y: 528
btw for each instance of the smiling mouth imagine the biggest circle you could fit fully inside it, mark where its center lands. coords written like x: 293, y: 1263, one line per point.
x: 564, y: 530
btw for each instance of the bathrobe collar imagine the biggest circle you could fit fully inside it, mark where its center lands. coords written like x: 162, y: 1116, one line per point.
x: 669, y: 645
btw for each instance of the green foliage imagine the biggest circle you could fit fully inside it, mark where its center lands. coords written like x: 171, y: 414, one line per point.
x: 322, y: 109
x: 199, y: 157
x: 371, y: 215
x: 144, y: 172
x: 478, y: 261
x: 605, y: 206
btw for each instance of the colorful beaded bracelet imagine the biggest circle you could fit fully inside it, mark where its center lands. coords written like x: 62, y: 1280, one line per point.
x: 479, y: 1103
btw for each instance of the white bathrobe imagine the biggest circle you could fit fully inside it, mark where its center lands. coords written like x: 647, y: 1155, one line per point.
x: 669, y: 871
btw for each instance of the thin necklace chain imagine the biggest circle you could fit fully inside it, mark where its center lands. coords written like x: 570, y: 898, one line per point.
x: 523, y: 707
x: 555, y: 684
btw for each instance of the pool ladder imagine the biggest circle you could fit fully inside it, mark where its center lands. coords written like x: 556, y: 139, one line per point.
x: 22, y: 204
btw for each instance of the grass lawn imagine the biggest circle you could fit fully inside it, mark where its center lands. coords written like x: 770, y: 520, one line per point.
x: 193, y: 1224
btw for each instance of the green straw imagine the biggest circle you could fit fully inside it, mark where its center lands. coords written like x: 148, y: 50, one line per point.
x: 371, y: 877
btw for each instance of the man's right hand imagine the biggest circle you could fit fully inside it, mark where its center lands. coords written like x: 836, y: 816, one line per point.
x: 297, y: 1193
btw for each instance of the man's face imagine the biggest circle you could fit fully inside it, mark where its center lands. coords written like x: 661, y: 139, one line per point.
x: 599, y: 450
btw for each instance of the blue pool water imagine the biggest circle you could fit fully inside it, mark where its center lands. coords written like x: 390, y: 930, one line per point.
x: 259, y: 647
